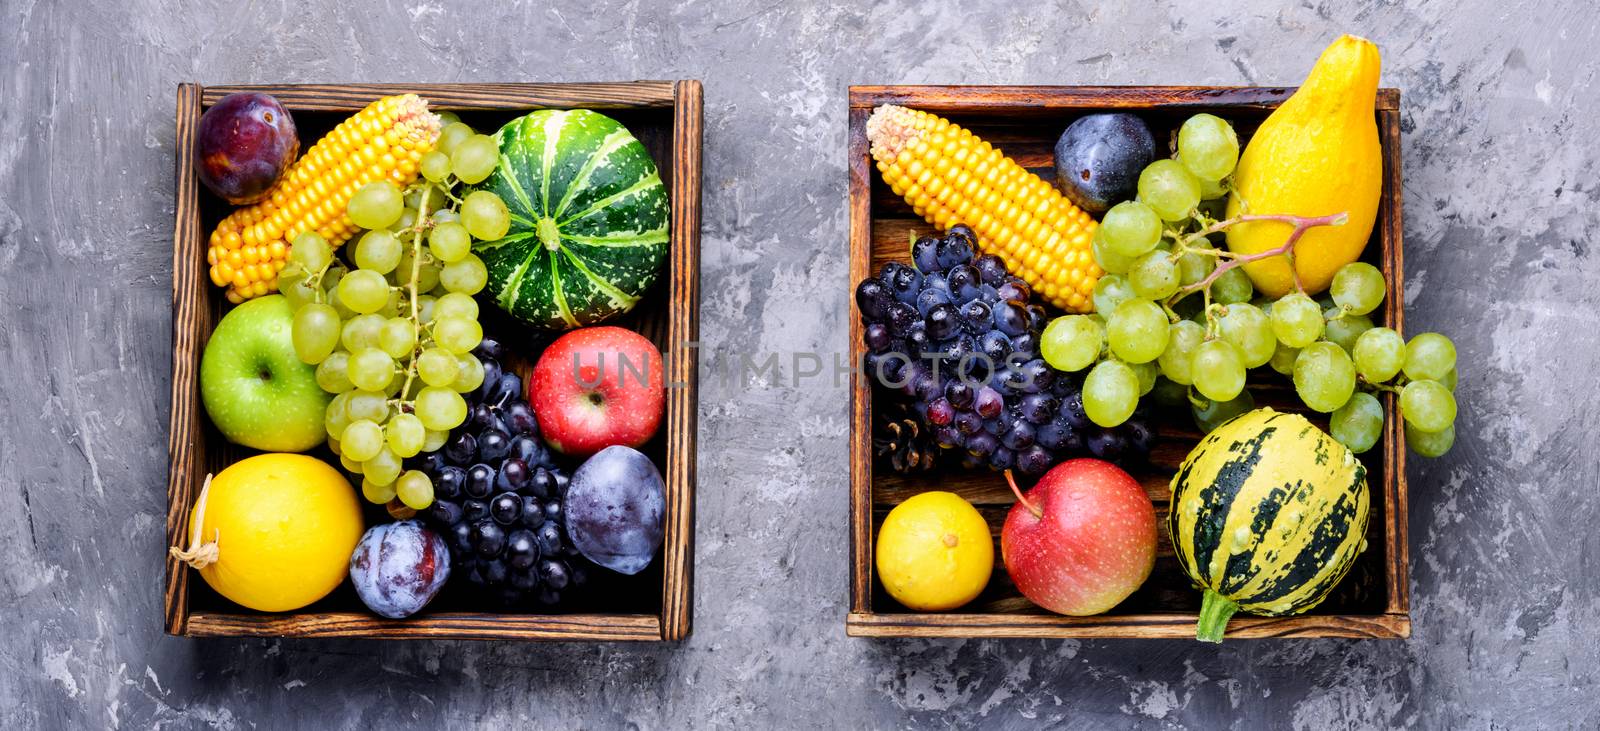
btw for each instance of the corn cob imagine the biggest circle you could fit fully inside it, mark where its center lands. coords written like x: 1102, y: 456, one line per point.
x: 385, y: 141
x: 950, y: 176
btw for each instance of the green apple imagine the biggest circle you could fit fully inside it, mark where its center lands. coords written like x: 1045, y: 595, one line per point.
x: 255, y: 388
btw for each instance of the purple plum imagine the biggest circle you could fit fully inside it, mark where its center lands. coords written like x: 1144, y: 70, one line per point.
x: 397, y: 568
x: 244, y: 144
x: 1099, y: 158
x: 616, y: 507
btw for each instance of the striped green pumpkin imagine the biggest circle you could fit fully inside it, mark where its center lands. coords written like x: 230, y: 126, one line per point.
x: 589, y: 217
x: 1268, y: 513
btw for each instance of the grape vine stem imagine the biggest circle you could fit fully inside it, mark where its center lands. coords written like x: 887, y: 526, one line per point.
x: 411, y: 290
x: 1301, y: 224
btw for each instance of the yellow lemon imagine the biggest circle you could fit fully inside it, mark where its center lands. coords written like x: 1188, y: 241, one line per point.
x: 935, y: 552
x: 275, y: 531
x: 1316, y: 155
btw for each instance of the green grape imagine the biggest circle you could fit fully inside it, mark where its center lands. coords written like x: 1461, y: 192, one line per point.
x: 428, y: 196
x: 1232, y: 286
x: 1343, y: 331
x: 331, y: 374
x: 361, y: 440
x: 469, y: 374
x: 1449, y: 380
x: 1283, y: 358
x: 1324, y: 376
x: 485, y: 215
x: 1195, y: 267
x: 1430, y: 356
x: 361, y: 331
x: 392, y: 307
x: 371, y: 369
x: 1208, y: 147
x: 334, y: 420
x: 450, y: 241
x: 1169, y: 189
x: 414, y: 489
x: 1379, y: 354
x: 405, y: 434
x: 1183, y: 337
x: 1430, y: 444
x: 364, y: 291
x: 1359, y: 423
x: 1357, y: 287
x: 1110, y: 261
x: 1212, y: 190
x: 445, y: 215
x: 434, y: 440
x: 457, y: 334
x: 453, y: 134
x: 372, y: 491
x: 408, y: 219
x: 425, y: 305
x: 397, y: 337
x: 370, y: 405
x: 383, y: 468
x: 1069, y: 343
x: 1110, y: 393
x: 1428, y: 405
x: 1110, y: 291
x: 1217, y: 371
x: 1154, y: 276
x: 297, y: 289
x: 1296, y: 320
x: 437, y: 367
x: 447, y: 118
x: 376, y: 205
x: 466, y: 276
x: 474, y: 158
x: 1216, y: 413
x: 435, y: 166
x: 440, y: 408
x: 378, y: 251
x: 1247, y: 329
x: 315, y: 332
x: 1137, y: 331
x: 456, y: 305
x: 310, y: 251
x: 1130, y: 229
x: 1147, y: 373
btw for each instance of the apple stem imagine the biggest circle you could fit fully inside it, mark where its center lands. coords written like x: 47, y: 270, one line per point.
x: 199, y: 555
x: 1215, y: 609
x: 1037, y: 513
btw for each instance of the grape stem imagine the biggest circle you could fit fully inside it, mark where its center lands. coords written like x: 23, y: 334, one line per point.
x: 1037, y: 513
x: 1232, y: 261
x: 411, y: 291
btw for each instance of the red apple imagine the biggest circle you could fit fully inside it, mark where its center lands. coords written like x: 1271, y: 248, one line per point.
x: 597, y: 387
x: 1081, y: 540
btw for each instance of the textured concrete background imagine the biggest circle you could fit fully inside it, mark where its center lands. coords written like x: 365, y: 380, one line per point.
x: 1500, y: 159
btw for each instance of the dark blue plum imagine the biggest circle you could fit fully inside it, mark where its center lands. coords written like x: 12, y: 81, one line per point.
x: 1099, y: 158
x: 616, y: 508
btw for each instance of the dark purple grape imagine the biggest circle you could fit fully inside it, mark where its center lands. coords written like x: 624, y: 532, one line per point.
x: 505, y: 508
x: 448, y: 483
x: 542, y: 483
x: 1038, y: 408
x: 995, y: 346
x: 521, y: 550
x: 1034, y: 461
x: 927, y: 387
x: 1019, y: 436
x: 520, y: 419
x: 495, y: 571
x: 968, y: 422
x: 900, y: 318
x: 903, y: 281
x: 473, y: 510
x: 959, y: 348
x: 549, y: 538
x: 991, y: 269
x: 877, y: 337
x: 1002, y: 459
x: 928, y: 298
x: 977, y: 317
x: 480, y: 480
x: 1025, y: 346
x: 444, y: 512
x: 963, y: 281
x: 1011, y: 318
x: 925, y: 255
x: 1038, y: 376
x: 982, y: 444
x: 509, y: 389
x: 872, y: 299
x: 490, y: 348
x: 963, y: 231
x: 525, y: 579
x: 461, y: 535
x: 988, y: 293
x: 1072, y: 411
x: 1015, y: 290
x: 430, y: 463
x: 1053, y: 435
x: 1099, y: 157
x: 959, y: 393
x: 949, y: 437
x: 493, y: 445
x: 481, y: 417
x: 491, y: 378
x: 553, y: 574
x: 462, y: 449
x: 936, y: 281
x: 917, y: 337
x: 940, y: 412
x: 488, y: 538
x: 988, y: 402
x: 528, y: 449
x: 552, y: 511
x: 1140, y: 437
x: 512, y: 476
x: 954, y: 250
x: 943, y: 319
x: 1038, y: 319
x: 1106, y: 444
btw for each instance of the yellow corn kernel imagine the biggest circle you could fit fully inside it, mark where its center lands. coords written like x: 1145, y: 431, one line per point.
x: 949, y: 175
x: 384, y: 141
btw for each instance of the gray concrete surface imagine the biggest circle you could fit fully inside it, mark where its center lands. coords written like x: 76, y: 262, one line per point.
x: 1500, y: 160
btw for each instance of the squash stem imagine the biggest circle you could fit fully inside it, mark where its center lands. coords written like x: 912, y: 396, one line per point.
x: 1215, y: 609
x: 1037, y: 513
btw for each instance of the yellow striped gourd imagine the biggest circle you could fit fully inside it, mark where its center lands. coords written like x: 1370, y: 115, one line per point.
x: 1268, y: 513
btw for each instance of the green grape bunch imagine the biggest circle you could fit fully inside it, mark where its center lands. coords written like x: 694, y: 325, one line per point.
x: 1158, y: 254
x: 392, y: 329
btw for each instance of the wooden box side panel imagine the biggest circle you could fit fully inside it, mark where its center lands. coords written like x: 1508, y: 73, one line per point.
x: 190, y: 327
x: 460, y: 626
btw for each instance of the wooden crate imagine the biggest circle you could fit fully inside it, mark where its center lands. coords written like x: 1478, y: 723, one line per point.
x: 1024, y: 122
x: 656, y: 605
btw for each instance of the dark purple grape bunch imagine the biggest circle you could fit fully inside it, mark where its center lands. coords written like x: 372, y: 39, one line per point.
x: 499, y: 495
x: 958, y: 336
